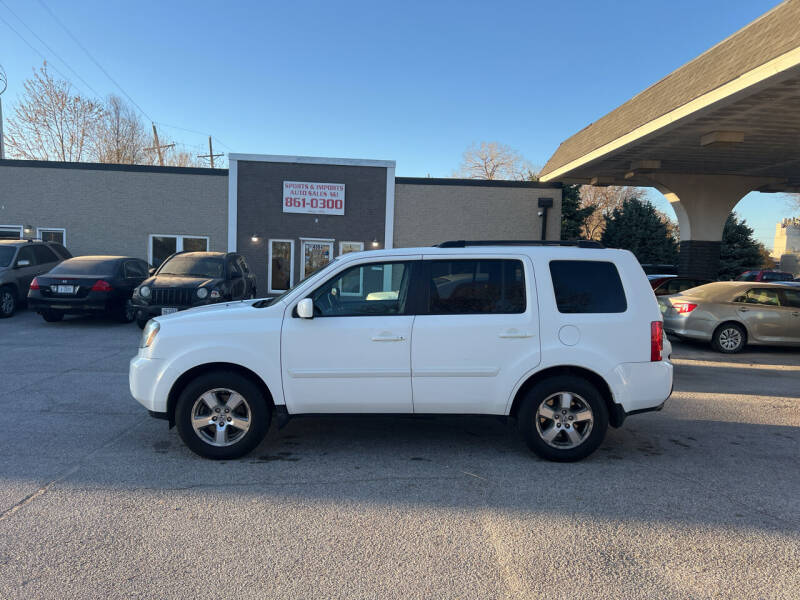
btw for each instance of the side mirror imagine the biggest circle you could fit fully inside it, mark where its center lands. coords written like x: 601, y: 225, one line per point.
x: 152, y: 271
x: 305, y: 308
x: 23, y: 263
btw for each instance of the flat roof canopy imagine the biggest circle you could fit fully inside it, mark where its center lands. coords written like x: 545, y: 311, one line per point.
x: 734, y: 110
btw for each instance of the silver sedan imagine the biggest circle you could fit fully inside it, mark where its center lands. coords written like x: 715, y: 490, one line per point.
x: 732, y: 314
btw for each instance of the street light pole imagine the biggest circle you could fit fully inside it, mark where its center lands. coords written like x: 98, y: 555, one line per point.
x: 3, y: 86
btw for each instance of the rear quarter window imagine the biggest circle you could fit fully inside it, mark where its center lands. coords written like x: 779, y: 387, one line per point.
x: 587, y: 286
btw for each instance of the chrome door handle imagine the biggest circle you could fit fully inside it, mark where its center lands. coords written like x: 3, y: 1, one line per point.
x: 513, y: 333
x: 388, y: 338
x: 744, y: 310
x: 796, y: 314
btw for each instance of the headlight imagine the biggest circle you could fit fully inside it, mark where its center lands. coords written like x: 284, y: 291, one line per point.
x: 149, y: 333
x: 144, y: 291
x: 202, y: 293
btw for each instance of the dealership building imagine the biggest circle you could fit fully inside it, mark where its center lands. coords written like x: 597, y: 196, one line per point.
x: 288, y: 215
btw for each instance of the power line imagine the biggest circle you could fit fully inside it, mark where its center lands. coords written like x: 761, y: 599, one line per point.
x: 194, y: 131
x: 49, y: 49
x: 11, y: 27
x: 92, y: 58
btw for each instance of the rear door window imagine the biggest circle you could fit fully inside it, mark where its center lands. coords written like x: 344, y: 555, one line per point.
x: 587, y: 286
x: 135, y: 269
x: 464, y: 287
x: 792, y: 298
x: 44, y: 255
x: 765, y: 297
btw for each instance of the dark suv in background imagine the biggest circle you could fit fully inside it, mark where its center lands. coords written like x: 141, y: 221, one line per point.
x: 188, y: 279
x: 20, y: 262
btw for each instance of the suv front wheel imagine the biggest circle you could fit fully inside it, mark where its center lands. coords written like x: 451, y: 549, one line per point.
x: 222, y: 415
x: 563, y: 418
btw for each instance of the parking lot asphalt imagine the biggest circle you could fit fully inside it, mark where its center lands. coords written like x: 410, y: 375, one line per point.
x: 701, y: 500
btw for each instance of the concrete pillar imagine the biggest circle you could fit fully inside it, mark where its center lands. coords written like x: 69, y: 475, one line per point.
x: 702, y: 204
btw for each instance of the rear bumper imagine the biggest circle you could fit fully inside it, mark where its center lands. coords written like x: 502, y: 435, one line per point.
x: 641, y: 387
x: 93, y: 302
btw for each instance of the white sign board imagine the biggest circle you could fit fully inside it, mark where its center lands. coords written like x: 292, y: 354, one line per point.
x: 314, y: 198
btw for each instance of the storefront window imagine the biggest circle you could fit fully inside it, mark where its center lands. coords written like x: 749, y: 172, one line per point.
x: 161, y: 246
x: 52, y: 235
x: 316, y: 254
x: 10, y: 232
x: 281, y: 265
x: 347, y: 247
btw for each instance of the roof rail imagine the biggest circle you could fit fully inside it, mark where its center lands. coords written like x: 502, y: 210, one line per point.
x: 574, y: 243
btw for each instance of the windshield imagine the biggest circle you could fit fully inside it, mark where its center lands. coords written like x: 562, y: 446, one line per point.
x: 85, y: 267
x: 276, y: 299
x: 6, y: 254
x: 193, y: 266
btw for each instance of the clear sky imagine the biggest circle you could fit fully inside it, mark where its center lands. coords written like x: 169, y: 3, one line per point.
x: 416, y: 82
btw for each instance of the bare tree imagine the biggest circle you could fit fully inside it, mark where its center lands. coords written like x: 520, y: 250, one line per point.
x: 493, y: 160
x: 52, y: 123
x: 604, y: 199
x: 121, y: 137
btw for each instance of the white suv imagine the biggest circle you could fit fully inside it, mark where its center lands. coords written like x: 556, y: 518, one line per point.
x: 565, y: 338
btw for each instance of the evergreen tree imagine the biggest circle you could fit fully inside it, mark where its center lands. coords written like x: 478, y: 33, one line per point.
x: 573, y: 216
x: 637, y: 226
x: 739, y: 252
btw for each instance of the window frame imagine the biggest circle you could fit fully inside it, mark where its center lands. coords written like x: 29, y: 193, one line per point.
x: 17, y: 228
x: 270, y: 289
x: 414, y: 266
x: 178, y: 242
x: 424, y: 293
x: 62, y: 230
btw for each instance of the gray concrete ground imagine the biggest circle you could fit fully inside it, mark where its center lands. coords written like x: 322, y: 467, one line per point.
x: 97, y: 499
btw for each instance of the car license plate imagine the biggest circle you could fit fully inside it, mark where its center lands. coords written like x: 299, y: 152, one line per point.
x: 65, y: 289
x: 167, y: 310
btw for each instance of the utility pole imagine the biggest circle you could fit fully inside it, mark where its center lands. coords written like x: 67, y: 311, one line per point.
x: 3, y: 86
x: 157, y: 146
x: 210, y: 154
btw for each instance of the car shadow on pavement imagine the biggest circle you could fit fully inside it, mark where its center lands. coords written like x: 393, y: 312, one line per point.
x: 658, y: 467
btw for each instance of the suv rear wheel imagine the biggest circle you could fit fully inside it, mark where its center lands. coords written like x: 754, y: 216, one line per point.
x: 8, y: 301
x: 222, y: 415
x: 563, y: 418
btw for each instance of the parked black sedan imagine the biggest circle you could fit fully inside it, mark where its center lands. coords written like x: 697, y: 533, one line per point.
x: 88, y: 284
x: 188, y: 279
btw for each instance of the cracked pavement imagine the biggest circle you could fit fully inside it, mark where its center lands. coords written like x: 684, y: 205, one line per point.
x: 97, y: 499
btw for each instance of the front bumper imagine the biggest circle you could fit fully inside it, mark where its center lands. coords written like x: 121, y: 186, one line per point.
x: 144, y: 375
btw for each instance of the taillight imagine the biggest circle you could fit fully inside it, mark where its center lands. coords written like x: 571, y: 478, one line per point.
x: 35, y: 284
x: 102, y: 286
x: 684, y: 307
x: 656, y: 340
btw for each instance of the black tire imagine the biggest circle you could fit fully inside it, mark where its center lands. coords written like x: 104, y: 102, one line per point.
x: 52, y: 316
x: 584, y: 395
x: 8, y: 301
x: 126, y: 313
x: 260, y: 415
x: 725, y: 338
x: 142, y: 319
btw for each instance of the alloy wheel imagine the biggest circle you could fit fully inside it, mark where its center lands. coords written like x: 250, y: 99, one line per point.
x: 730, y: 338
x: 221, y: 417
x: 564, y: 420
